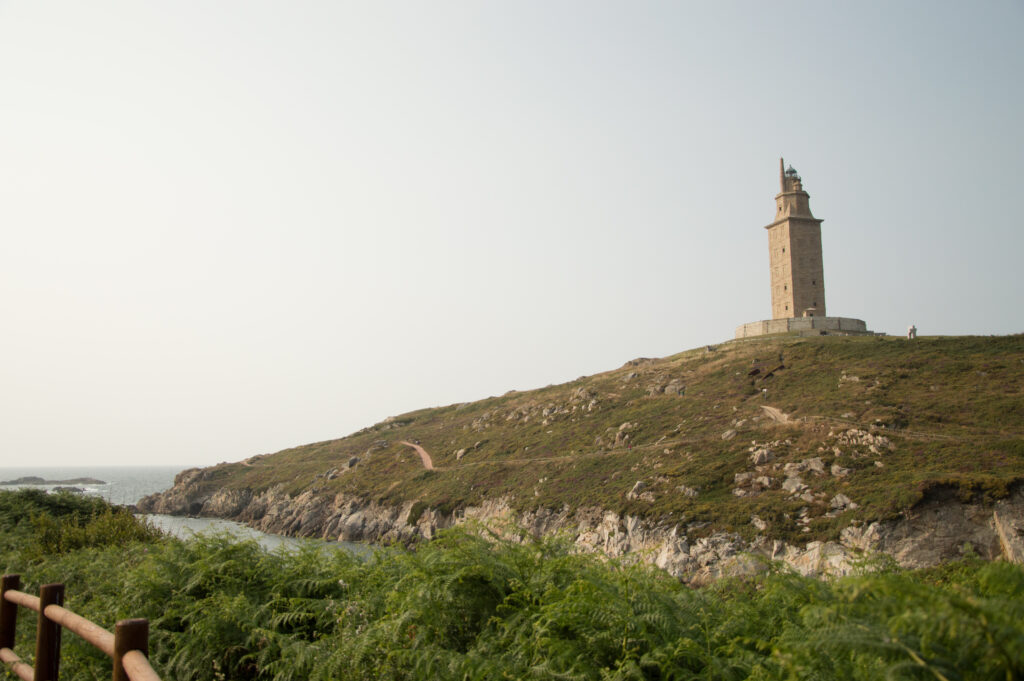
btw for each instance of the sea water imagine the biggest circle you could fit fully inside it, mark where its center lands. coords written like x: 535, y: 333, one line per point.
x: 121, y: 484
x: 127, y: 484
x: 184, y: 527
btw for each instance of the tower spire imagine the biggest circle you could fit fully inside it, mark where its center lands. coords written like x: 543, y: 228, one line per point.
x: 782, y: 175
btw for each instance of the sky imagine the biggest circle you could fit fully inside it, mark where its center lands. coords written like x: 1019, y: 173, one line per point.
x: 233, y: 227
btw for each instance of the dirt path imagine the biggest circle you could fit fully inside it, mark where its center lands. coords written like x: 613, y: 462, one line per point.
x: 427, y: 463
x: 775, y: 414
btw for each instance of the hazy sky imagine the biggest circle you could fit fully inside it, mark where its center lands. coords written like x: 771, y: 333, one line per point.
x: 234, y: 227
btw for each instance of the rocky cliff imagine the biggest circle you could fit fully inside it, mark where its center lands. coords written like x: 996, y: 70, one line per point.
x: 938, y: 529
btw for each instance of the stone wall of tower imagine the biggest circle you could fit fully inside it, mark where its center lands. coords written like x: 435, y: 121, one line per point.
x: 781, y: 267
x: 797, y: 272
x: 808, y: 273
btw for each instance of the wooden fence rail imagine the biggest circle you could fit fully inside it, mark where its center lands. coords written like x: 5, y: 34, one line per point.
x: 128, y: 646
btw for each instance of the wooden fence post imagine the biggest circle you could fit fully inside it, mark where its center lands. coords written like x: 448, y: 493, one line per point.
x: 48, y: 634
x: 129, y: 635
x: 8, y: 611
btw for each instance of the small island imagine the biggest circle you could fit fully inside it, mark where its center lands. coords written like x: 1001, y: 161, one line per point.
x: 36, y: 480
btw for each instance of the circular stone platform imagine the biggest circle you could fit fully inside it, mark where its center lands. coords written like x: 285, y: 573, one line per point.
x: 806, y: 326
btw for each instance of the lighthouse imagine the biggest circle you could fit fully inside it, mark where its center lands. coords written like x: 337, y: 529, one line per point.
x: 796, y: 269
x: 794, y: 252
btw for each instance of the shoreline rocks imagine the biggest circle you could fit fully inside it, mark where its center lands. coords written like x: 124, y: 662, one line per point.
x: 935, y: 531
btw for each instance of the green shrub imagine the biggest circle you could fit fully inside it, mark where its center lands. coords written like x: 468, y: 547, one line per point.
x: 106, y: 527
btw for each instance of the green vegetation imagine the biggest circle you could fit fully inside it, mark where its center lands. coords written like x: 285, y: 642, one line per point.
x: 468, y: 607
x: 952, y: 408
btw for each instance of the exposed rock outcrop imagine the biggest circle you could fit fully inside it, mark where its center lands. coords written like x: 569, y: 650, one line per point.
x: 936, y: 530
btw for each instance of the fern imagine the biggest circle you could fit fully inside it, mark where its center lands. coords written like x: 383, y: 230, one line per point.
x: 467, y: 607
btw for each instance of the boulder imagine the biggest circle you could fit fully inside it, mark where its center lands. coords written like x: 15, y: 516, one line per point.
x: 841, y: 501
x: 675, y: 387
x: 839, y: 471
x: 794, y: 485
x: 794, y: 469
x: 815, y: 465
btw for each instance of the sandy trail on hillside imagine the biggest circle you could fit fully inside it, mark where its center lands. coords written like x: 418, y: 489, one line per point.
x: 427, y: 463
x: 775, y: 414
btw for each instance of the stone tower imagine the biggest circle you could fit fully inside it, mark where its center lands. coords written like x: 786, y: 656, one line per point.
x: 794, y: 247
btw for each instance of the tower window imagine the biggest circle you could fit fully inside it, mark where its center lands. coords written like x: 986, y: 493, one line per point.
x: 785, y: 287
x: 813, y: 282
x: 783, y: 249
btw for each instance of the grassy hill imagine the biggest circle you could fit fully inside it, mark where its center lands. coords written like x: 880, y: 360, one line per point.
x: 883, y: 421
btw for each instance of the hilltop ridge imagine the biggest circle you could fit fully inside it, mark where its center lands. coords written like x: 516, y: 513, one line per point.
x: 784, y: 439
